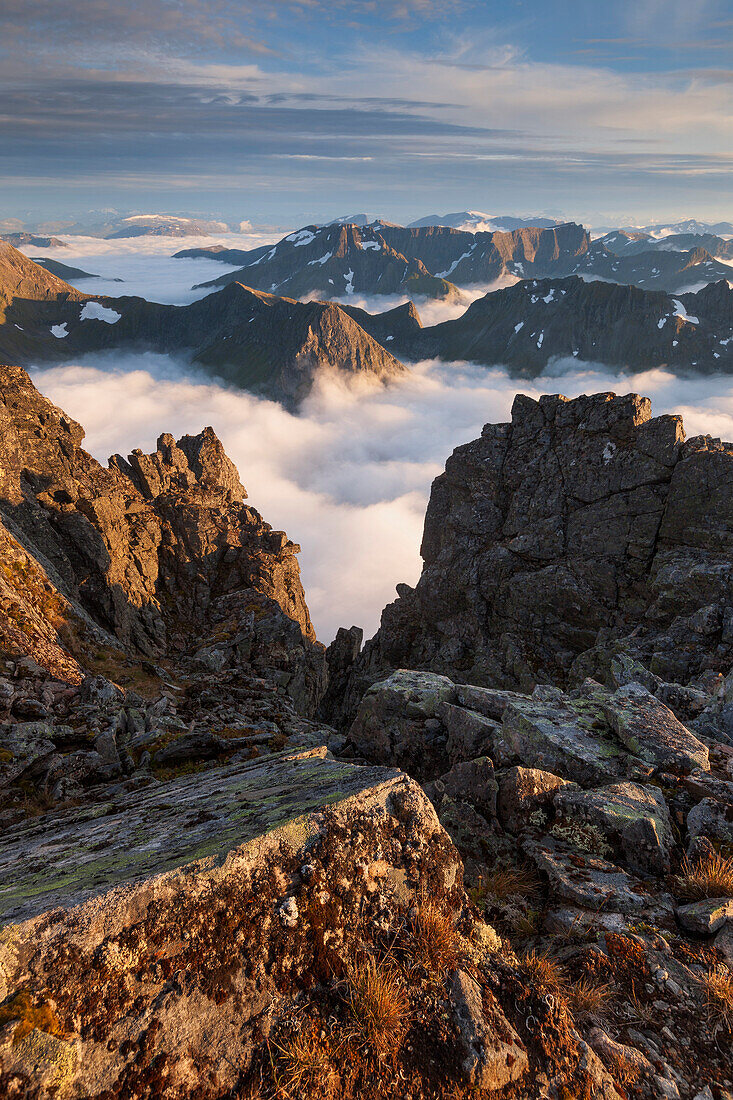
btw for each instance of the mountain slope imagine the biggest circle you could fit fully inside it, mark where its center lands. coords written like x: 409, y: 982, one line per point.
x: 527, y: 325
x: 271, y: 345
x: 339, y: 260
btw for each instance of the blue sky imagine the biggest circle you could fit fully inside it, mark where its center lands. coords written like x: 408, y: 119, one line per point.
x: 299, y: 110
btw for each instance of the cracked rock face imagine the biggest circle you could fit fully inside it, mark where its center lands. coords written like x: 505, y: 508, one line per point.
x: 582, y: 535
x: 154, y: 553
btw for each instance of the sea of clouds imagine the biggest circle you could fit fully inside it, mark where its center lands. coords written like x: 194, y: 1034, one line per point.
x: 349, y: 476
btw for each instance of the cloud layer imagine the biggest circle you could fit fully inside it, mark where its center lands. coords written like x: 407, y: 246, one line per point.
x: 349, y: 478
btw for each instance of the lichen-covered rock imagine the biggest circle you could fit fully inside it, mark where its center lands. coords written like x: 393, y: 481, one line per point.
x: 145, y: 945
x: 491, y: 1053
x: 472, y: 781
x: 713, y: 819
x: 397, y: 722
x: 523, y: 792
x: 650, y: 730
x: 633, y: 818
x: 586, y: 879
x: 706, y: 916
x: 554, y: 733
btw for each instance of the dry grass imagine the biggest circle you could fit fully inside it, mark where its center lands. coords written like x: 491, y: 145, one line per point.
x: 625, y: 1072
x: 379, y: 1007
x: 545, y: 975
x: 643, y: 1010
x: 589, y: 1001
x: 434, y: 939
x: 711, y: 876
x: 302, y: 1068
x: 508, y: 883
x: 717, y: 986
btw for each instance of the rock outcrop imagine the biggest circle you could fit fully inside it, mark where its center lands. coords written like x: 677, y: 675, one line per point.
x: 160, y: 550
x: 585, y: 538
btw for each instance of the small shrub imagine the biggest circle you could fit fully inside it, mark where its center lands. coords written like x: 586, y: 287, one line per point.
x: 435, y: 940
x: 718, y: 989
x: 379, y: 1007
x: 302, y: 1067
x: 710, y: 876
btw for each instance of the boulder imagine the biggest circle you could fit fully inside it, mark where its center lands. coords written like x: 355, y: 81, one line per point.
x: 468, y: 733
x: 711, y: 819
x: 491, y: 1054
x: 585, y: 879
x: 524, y: 791
x: 391, y: 725
x: 706, y: 916
x: 633, y: 818
x: 650, y: 731
x: 23, y: 745
x: 555, y: 733
x: 153, y: 941
x: 473, y: 781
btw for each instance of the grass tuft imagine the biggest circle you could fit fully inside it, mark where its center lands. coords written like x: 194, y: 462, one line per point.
x: 435, y: 939
x: 717, y: 986
x: 710, y: 876
x: 379, y: 1007
x: 303, y: 1069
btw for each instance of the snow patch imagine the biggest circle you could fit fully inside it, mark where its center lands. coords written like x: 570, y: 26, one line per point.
x: 95, y: 311
x: 59, y: 331
x: 322, y: 260
x: 682, y: 313
x: 519, y: 325
x: 303, y: 236
x: 349, y: 276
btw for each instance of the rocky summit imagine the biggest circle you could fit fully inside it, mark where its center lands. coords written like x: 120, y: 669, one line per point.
x: 488, y: 854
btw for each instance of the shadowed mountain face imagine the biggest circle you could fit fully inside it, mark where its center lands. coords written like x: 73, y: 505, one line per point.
x: 381, y: 259
x: 336, y: 260
x: 527, y: 325
x: 273, y: 346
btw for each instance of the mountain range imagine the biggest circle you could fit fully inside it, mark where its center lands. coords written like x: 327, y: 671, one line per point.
x: 338, y: 259
x: 275, y: 346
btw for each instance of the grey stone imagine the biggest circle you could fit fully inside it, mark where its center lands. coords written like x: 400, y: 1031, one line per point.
x: 490, y: 1052
x: 650, y: 731
x: 633, y: 818
x: 706, y: 916
x: 473, y: 781
x: 711, y: 819
x: 584, y: 879
x: 523, y: 791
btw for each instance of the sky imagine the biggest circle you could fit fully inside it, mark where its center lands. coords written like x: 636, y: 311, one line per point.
x: 295, y: 111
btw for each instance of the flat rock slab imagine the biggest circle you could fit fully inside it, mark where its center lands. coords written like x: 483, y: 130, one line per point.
x: 651, y: 732
x: 560, y: 735
x: 491, y: 1053
x: 632, y: 817
x: 145, y: 942
x: 586, y: 880
x: 64, y: 859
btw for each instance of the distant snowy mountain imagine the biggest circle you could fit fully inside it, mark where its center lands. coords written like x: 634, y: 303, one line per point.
x: 164, y: 225
x: 476, y: 221
x: 690, y: 225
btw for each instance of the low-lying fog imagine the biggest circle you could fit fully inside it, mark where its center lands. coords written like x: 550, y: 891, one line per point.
x: 350, y: 476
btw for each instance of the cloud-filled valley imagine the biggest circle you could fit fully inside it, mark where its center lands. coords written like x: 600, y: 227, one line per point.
x: 349, y: 477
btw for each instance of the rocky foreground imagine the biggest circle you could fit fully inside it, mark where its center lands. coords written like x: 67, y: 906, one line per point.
x: 490, y: 853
